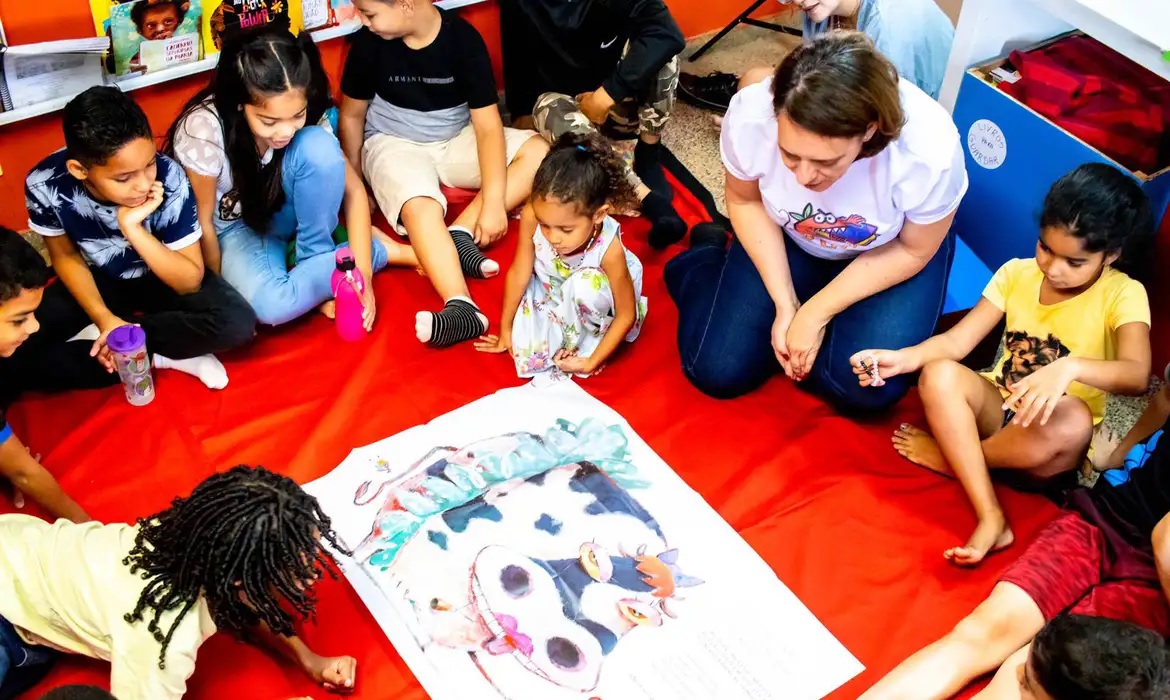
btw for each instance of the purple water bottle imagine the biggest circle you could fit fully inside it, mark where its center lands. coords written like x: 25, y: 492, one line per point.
x: 128, y: 346
x: 348, y: 286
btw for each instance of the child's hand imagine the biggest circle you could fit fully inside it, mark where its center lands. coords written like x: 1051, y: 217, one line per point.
x: 890, y: 363
x: 100, y: 350
x: 595, y: 105
x: 491, y: 225
x: 494, y: 343
x: 134, y: 216
x: 569, y: 362
x: 334, y: 673
x: 369, y: 307
x: 1036, y: 395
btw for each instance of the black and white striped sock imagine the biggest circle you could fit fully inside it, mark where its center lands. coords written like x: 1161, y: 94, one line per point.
x: 459, y: 320
x: 471, y: 259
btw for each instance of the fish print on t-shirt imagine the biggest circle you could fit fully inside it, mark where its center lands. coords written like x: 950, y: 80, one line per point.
x: 829, y: 230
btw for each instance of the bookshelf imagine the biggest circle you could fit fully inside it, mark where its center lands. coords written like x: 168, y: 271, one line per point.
x: 187, y: 69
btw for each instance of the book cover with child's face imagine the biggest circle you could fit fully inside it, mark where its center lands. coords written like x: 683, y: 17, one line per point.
x: 151, y: 35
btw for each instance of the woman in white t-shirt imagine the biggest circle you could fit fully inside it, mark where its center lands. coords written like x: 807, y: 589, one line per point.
x: 841, y: 184
x: 268, y: 173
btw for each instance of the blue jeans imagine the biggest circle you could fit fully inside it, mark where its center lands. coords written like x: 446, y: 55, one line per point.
x: 726, y: 315
x: 256, y: 264
x: 21, y: 665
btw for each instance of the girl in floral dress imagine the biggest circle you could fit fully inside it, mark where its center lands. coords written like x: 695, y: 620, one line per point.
x: 574, y: 292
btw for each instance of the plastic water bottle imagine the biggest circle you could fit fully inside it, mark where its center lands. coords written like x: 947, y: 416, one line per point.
x: 348, y: 286
x: 128, y: 346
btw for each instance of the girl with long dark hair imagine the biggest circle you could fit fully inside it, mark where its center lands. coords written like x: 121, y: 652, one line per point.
x: 268, y: 172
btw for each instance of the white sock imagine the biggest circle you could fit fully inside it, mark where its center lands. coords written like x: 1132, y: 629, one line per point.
x: 205, y: 368
x: 89, y: 333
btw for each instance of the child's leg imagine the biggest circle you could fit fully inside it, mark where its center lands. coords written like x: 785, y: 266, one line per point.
x: 1002, y: 624
x: 961, y: 408
x: 557, y: 115
x: 525, y: 151
x: 653, y: 114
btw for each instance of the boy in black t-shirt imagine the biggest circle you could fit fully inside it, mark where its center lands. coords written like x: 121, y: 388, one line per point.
x: 23, y: 277
x: 421, y: 111
x: 1108, y: 556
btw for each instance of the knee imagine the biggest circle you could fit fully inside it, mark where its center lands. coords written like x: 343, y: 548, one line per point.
x: 236, y: 320
x: 534, y: 149
x: 850, y: 398
x: 719, y: 380
x: 754, y: 75
x: 419, y: 210
x: 591, y: 288
x: 1071, y: 424
x: 939, y: 376
x: 315, y: 146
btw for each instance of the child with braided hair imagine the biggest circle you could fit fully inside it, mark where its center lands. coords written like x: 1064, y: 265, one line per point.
x: 242, y: 549
x: 574, y: 292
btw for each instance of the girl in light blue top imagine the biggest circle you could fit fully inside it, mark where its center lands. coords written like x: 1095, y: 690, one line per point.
x: 914, y: 34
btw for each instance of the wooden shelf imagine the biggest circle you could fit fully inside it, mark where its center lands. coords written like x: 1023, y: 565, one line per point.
x: 185, y: 70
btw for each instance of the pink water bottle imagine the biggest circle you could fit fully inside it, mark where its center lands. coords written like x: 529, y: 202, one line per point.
x: 348, y: 286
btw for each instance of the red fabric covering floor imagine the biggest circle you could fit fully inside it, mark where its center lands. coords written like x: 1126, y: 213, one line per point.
x: 852, y: 529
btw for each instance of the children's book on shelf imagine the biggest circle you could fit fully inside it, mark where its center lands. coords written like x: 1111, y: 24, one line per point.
x: 34, y: 73
x: 148, y: 35
x: 222, y: 18
x: 322, y: 14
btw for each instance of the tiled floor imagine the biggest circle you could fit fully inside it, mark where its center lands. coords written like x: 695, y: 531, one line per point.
x: 692, y: 133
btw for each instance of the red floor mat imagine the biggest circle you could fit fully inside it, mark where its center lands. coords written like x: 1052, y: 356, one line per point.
x: 855, y: 531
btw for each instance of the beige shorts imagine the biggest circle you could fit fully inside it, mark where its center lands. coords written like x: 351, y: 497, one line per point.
x: 399, y: 170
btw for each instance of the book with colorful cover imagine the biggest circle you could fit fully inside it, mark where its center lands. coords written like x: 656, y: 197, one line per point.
x: 322, y: 14
x: 222, y: 18
x: 151, y: 35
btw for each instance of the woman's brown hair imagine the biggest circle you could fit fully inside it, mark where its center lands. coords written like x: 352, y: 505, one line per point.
x: 838, y: 86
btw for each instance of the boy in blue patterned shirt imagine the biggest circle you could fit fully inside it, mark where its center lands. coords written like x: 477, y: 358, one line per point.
x: 120, y: 223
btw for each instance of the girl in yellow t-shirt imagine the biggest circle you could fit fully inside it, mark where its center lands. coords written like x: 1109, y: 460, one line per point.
x: 1078, y: 327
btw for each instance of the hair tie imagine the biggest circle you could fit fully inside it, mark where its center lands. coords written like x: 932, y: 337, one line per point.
x: 580, y: 148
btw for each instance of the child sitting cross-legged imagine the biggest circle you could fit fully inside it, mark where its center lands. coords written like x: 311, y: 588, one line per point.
x: 421, y: 111
x: 574, y: 292
x: 240, y: 554
x: 120, y: 224
x: 1078, y: 327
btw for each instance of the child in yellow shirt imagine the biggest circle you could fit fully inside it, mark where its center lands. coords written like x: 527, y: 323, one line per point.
x: 1078, y: 328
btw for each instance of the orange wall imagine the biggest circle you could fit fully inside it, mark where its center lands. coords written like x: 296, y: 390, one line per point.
x: 24, y: 143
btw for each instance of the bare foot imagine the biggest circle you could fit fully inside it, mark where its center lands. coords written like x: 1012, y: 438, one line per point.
x: 920, y: 448
x: 398, y: 254
x: 328, y: 309
x: 991, y: 535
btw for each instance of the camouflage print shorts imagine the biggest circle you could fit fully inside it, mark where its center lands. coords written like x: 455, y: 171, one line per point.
x: 557, y: 114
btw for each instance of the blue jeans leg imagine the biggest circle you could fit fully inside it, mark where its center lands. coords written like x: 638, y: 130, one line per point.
x: 21, y: 665
x: 313, y: 177
x: 903, y: 315
x: 725, y: 320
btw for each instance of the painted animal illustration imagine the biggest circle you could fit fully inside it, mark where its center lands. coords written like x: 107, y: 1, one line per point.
x: 540, y: 571
x: 832, y: 231
x: 1024, y: 354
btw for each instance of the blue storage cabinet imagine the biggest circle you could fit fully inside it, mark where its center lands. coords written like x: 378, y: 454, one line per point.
x: 1013, y: 157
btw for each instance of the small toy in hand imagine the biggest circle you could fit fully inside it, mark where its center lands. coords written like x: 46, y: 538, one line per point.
x: 870, y: 366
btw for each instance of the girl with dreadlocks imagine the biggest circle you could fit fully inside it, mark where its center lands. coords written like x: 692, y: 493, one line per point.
x: 574, y: 292
x: 146, y: 596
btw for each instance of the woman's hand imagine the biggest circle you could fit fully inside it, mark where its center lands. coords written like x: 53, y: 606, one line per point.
x: 890, y: 363
x: 805, y: 334
x: 780, y: 337
x: 336, y: 674
x: 494, y: 344
x: 1036, y: 395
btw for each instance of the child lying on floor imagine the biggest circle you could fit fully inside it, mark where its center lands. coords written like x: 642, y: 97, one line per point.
x: 1108, y: 557
x: 574, y: 292
x: 1078, y: 327
x: 23, y: 276
x: 243, y: 548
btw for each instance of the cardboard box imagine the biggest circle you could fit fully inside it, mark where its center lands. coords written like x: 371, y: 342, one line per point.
x: 1014, y: 155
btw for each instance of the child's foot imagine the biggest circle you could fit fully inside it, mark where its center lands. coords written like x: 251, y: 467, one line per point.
x: 205, y: 368
x: 398, y: 254
x: 920, y: 448
x: 990, y: 536
x: 328, y: 309
x: 471, y: 259
x: 666, y: 226
x: 459, y: 320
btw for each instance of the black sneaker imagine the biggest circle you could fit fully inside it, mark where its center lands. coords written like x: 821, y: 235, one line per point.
x: 712, y: 91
